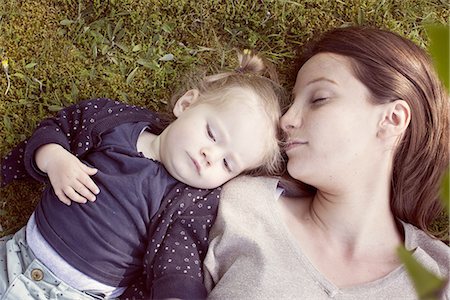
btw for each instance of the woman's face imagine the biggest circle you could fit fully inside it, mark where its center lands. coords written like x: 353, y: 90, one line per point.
x: 331, y: 126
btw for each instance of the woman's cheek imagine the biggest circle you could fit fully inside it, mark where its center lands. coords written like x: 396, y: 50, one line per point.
x: 294, y: 166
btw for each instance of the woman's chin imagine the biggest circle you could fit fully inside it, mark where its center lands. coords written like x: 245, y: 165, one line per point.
x: 296, y: 172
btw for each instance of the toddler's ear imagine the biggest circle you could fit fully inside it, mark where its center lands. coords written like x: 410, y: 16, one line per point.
x: 185, y: 101
x: 396, y: 118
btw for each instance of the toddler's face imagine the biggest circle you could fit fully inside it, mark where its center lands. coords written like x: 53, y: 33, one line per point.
x: 208, y: 144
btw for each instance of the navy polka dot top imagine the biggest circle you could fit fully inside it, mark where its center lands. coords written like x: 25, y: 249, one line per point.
x: 155, y: 237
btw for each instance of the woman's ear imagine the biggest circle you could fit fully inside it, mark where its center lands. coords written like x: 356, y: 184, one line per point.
x: 395, y: 120
x: 185, y: 101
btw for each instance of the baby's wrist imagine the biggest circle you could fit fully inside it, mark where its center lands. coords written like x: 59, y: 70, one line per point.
x: 45, y: 155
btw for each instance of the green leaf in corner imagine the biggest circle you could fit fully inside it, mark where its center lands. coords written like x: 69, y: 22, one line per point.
x: 439, y: 50
x: 428, y: 286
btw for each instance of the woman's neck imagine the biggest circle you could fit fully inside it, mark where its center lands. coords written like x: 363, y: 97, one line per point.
x: 358, y: 220
x: 345, y: 236
x: 355, y: 219
x: 355, y: 209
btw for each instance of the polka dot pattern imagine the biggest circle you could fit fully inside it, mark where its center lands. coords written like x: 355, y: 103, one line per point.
x: 178, y: 244
x: 77, y: 128
x: 178, y: 234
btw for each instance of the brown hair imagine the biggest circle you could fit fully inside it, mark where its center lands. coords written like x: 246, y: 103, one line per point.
x: 392, y: 68
x: 259, y: 76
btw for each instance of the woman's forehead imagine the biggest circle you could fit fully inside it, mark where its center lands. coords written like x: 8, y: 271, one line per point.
x: 327, y: 66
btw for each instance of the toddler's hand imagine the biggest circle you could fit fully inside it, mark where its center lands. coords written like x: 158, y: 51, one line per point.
x: 70, y: 178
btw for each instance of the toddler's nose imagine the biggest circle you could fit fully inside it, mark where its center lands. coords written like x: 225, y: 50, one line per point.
x: 210, y: 155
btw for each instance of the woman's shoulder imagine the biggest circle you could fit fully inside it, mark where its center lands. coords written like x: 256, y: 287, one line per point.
x: 415, y: 237
x: 244, y: 192
x: 434, y: 251
x: 250, y: 184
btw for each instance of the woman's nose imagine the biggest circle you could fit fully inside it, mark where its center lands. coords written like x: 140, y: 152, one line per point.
x: 291, y: 119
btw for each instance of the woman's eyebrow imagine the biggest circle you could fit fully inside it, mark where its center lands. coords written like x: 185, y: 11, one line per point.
x: 321, y: 79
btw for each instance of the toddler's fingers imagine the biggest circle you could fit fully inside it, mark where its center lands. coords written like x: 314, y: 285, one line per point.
x: 73, y: 195
x: 62, y: 197
x: 89, y: 170
x: 83, y: 191
x: 90, y: 184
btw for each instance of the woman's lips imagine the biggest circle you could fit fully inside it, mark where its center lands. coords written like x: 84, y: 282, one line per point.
x: 291, y: 144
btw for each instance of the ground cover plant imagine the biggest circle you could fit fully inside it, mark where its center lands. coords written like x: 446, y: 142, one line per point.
x: 58, y: 52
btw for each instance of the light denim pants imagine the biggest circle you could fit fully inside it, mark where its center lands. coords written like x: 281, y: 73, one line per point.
x: 24, y: 277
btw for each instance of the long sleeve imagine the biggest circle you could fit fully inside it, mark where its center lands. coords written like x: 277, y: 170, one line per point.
x: 65, y: 129
x: 179, y: 242
x: 77, y: 128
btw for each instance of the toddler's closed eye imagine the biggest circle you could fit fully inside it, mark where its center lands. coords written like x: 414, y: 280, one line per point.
x: 227, y: 165
x: 210, y: 133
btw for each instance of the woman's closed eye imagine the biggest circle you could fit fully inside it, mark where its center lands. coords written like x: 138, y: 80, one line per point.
x: 319, y: 100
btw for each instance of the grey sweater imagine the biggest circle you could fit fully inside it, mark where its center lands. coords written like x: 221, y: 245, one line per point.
x: 252, y: 254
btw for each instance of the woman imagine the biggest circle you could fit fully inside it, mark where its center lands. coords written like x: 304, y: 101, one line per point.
x: 368, y: 132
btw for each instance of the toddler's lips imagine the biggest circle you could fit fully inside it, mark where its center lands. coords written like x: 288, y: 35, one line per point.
x: 196, y: 164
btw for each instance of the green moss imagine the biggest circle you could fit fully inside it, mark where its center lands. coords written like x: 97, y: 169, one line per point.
x: 63, y: 51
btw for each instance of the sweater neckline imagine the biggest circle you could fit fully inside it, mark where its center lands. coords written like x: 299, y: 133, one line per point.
x: 327, y: 286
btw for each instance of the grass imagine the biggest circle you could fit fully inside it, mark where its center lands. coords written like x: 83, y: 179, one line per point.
x: 63, y: 51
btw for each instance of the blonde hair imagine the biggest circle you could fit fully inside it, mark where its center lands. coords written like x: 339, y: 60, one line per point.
x: 251, y: 75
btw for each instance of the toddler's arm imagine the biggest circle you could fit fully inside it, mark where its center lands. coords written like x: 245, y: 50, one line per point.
x: 50, y: 151
x: 72, y: 128
x: 76, y: 128
x: 179, y: 242
x: 70, y: 178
